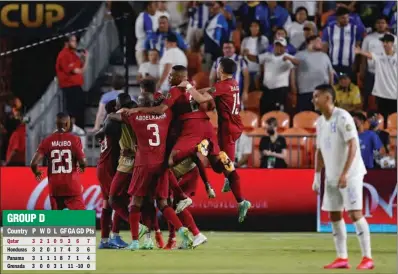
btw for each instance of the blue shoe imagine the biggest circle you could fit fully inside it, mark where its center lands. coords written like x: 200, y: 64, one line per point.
x: 135, y: 245
x: 187, y: 241
x: 107, y: 245
x: 117, y: 241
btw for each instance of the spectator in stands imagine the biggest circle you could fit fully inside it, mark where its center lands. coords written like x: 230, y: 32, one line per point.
x: 384, y: 136
x: 145, y: 24
x: 254, y: 11
x: 198, y: 15
x: 70, y: 67
x: 369, y: 142
x: 277, y: 67
x: 118, y: 83
x: 273, y: 147
x: 372, y: 43
x: 281, y: 33
x: 313, y: 7
x: 16, y: 147
x: 369, y: 11
x: 314, y: 69
x: 255, y: 44
x: 172, y: 56
x: 340, y: 39
x: 295, y: 29
x: 74, y: 129
x: 230, y: 17
x: 353, y: 17
x: 385, y: 87
x: 309, y: 30
x: 348, y: 95
x: 216, y: 32
x: 157, y: 40
x: 242, y: 73
x: 243, y: 150
x: 150, y: 69
x: 278, y: 16
x: 162, y: 10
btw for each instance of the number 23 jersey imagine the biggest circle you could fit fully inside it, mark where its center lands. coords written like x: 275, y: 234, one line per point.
x: 62, y: 151
x: 228, y: 106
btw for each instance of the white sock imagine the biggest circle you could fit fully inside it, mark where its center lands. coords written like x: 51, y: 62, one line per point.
x: 104, y: 240
x: 363, y: 235
x: 340, y: 238
x: 148, y: 235
x: 115, y: 234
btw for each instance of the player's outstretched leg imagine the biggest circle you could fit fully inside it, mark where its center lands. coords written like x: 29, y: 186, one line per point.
x: 184, y: 200
x: 172, y: 241
x: 188, y: 221
x: 134, y: 221
x: 340, y: 241
x: 115, y: 238
x: 106, y: 221
x: 363, y: 234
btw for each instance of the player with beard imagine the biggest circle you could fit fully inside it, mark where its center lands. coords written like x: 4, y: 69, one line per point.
x: 64, y: 153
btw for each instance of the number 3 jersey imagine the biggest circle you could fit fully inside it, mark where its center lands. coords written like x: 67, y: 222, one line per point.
x: 63, y: 150
x: 151, y: 133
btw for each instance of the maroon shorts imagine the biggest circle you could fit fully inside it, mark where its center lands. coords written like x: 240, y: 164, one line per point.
x: 69, y: 202
x: 227, y: 141
x: 150, y: 180
x: 189, y: 181
x: 193, y: 132
x: 105, y: 179
x: 120, y: 184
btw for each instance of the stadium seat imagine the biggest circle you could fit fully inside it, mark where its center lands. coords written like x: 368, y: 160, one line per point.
x: 306, y: 120
x: 282, y: 117
x: 298, y: 147
x: 325, y: 16
x: 235, y: 37
x: 201, y: 79
x: 257, y: 134
x: 253, y: 101
x: 194, y: 63
x: 392, y: 121
x: 249, y: 119
x: 213, y: 118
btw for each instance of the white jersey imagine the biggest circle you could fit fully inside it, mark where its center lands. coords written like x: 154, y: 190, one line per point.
x: 332, y: 137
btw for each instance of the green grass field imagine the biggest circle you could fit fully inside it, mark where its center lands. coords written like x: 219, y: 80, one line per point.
x: 247, y: 253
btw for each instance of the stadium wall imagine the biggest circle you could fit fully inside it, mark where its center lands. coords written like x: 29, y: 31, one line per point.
x: 282, y: 199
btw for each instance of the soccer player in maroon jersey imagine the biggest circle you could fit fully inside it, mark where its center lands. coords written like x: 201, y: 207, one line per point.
x: 226, y: 97
x: 150, y: 174
x: 64, y: 153
x: 109, y: 137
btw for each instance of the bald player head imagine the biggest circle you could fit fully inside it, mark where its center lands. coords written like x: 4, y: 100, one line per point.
x: 63, y: 122
x: 145, y: 99
x: 178, y: 74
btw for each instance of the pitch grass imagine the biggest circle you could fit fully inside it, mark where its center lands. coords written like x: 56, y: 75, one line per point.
x: 248, y: 253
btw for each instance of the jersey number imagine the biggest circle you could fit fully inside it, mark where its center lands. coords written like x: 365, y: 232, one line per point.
x: 61, y: 161
x: 155, y: 132
x: 236, y: 107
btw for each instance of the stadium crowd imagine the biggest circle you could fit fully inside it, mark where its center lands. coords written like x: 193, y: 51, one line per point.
x: 283, y: 50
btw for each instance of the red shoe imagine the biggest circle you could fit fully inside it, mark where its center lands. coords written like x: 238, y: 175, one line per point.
x: 338, y: 263
x: 159, y: 239
x: 171, y: 244
x: 366, y: 263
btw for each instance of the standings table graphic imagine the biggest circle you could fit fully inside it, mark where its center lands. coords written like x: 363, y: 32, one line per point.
x: 49, y: 240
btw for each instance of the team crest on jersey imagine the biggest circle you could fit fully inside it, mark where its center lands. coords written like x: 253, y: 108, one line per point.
x: 348, y: 127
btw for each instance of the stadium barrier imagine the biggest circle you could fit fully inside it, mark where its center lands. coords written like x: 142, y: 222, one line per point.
x: 281, y: 193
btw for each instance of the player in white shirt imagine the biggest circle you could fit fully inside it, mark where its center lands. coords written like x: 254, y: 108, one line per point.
x: 339, y: 153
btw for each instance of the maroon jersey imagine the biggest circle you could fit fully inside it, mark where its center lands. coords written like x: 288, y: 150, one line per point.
x: 62, y: 150
x: 227, y: 101
x: 151, y: 133
x: 183, y: 105
x: 110, y: 151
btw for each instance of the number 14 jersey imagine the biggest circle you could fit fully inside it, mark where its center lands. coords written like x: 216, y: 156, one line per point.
x: 63, y: 150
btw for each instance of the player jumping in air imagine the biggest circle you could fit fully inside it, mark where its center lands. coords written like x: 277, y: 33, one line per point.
x: 65, y: 154
x: 109, y: 137
x: 338, y: 151
x: 226, y: 97
x: 150, y: 175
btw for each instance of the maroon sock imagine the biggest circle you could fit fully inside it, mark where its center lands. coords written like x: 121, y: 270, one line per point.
x: 134, y: 220
x: 171, y: 217
x: 172, y: 231
x: 106, y: 220
x: 177, y: 191
x: 120, y: 205
x: 188, y: 221
x: 116, y: 223
x: 234, y: 183
x: 202, y: 169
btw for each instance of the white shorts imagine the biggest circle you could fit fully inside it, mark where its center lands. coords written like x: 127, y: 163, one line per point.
x: 349, y: 198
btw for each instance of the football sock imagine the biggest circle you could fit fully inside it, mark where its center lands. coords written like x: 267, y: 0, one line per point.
x: 105, y: 221
x: 154, y: 219
x: 340, y: 238
x: 363, y: 234
x: 171, y: 216
x: 234, y: 183
x: 134, y: 220
x: 172, y: 230
x: 188, y: 221
x: 116, y: 224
